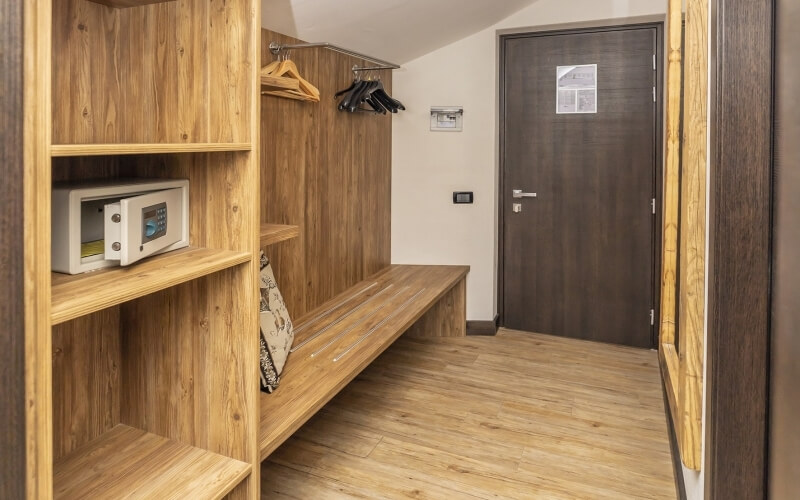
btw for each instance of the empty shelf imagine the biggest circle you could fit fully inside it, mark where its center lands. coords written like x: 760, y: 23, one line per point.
x: 130, y: 463
x: 275, y: 233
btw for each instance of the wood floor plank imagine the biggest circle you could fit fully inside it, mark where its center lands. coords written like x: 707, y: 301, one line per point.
x: 518, y: 415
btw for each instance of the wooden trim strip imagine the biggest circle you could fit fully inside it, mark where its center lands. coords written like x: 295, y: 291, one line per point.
x: 37, y: 174
x: 669, y: 265
x: 65, y: 150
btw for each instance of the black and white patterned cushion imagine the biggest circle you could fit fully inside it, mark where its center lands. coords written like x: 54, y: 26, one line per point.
x: 277, y: 333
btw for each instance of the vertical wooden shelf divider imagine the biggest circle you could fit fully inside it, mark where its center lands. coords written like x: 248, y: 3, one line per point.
x: 163, y: 367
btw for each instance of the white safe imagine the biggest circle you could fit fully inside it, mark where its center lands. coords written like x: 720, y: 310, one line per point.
x: 98, y: 225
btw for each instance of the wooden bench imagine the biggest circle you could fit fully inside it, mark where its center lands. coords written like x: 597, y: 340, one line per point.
x: 336, y: 341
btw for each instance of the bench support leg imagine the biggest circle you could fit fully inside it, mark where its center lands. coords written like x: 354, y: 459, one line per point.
x: 446, y: 318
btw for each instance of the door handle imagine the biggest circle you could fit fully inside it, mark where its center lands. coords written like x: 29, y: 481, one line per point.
x: 517, y: 193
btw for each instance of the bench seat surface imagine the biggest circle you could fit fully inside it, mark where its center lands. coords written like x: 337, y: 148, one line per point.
x: 337, y: 340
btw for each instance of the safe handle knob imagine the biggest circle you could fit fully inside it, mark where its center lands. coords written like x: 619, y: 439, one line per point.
x: 517, y: 193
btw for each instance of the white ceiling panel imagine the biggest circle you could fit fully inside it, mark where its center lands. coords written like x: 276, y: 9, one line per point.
x: 394, y: 30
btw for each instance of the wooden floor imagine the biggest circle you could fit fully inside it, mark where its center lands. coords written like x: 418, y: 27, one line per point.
x: 514, y: 416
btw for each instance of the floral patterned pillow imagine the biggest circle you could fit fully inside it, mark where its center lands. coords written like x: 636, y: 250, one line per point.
x: 277, y: 333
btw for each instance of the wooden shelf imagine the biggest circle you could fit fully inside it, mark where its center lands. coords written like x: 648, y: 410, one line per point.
x: 74, y: 296
x: 122, y: 4
x: 275, y: 233
x: 61, y: 150
x: 131, y: 463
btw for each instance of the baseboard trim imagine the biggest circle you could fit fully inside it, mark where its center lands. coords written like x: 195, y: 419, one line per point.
x: 677, y: 466
x: 487, y: 328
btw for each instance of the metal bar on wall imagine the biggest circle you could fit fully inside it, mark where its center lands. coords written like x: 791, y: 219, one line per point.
x: 277, y: 48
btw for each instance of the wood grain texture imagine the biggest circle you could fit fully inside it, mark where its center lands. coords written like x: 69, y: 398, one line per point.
x: 12, y: 251
x: 130, y: 463
x: 75, y: 296
x: 37, y: 135
x: 328, y: 172
x: 86, y: 380
x: 162, y: 91
x: 784, y: 438
x: 122, y: 4
x: 420, y: 423
x: 275, y: 233
x: 693, y: 234
x: 446, y: 318
x: 187, y: 365
x: 384, y: 313
x: 67, y: 150
x: 672, y: 163
x: 210, y: 321
x: 175, y: 72
x: 740, y: 253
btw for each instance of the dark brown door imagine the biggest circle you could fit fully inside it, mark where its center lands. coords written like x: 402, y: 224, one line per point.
x: 578, y: 259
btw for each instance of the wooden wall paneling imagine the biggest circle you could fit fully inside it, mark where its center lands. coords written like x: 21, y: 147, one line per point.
x: 446, y: 318
x: 230, y: 58
x: 329, y: 173
x: 693, y: 233
x: 164, y: 338
x: 36, y: 140
x: 146, y: 74
x: 321, y: 240
x: 289, y: 138
x: 740, y: 250
x: 81, y: 54
x: 86, y: 380
x: 669, y: 265
x: 193, y: 66
x: 12, y: 251
x: 377, y: 204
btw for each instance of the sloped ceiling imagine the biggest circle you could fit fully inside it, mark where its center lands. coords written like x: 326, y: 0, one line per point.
x: 393, y: 30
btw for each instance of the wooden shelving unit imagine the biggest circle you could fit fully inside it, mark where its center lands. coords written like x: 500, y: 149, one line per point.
x: 131, y: 463
x: 275, y: 233
x: 67, y: 150
x: 144, y: 379
x: 82, y: 294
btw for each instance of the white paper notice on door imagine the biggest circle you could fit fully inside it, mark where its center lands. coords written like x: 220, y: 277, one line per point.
x: 576, y: 88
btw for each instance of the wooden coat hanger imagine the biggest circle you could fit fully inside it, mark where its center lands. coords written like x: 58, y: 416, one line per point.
x: 285, y: 78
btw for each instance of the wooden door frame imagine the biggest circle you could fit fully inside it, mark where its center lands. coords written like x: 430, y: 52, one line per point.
x: 603, y: 26
x: 739, y: 248
x: 12, y: 307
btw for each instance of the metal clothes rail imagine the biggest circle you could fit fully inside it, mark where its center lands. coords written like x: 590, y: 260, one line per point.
x: 277, y: 48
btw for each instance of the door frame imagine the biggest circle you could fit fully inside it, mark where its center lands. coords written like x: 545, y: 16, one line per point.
x: 13, y: 472
x: 739, y: 248
x: 653, y: 22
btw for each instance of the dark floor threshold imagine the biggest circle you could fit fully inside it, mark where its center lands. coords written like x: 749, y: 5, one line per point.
x: 488, y: 328
x: 677, y: 466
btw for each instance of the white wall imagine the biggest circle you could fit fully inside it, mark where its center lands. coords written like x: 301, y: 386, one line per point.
x: 428, y: 166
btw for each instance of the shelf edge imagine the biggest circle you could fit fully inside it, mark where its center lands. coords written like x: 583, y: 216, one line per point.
x: 68, y: 150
